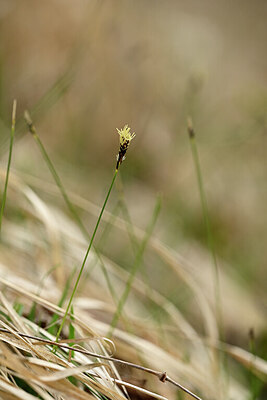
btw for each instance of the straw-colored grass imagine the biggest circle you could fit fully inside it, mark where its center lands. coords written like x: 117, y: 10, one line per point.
x: 43, y: 237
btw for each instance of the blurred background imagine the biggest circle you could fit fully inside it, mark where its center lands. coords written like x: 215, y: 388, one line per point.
x: 85, y: 67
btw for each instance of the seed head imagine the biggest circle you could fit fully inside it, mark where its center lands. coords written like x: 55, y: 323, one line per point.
x: 125, y: 135
x: 125, y: 139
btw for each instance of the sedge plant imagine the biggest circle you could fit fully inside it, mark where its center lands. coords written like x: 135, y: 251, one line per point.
x: 125, y: 139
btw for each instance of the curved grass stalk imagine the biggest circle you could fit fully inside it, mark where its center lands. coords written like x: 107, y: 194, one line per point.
x: 54, y: 173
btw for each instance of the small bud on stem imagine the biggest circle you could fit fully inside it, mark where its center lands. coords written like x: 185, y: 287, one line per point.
x: 29, y: 122
x: 190, y: 128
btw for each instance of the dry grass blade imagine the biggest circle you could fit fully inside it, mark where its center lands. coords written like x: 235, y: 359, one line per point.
x: 162, y: 376
x: 175, y: 346
x: 9, y: 388
x: 250, y: 361
x: 14, y: 358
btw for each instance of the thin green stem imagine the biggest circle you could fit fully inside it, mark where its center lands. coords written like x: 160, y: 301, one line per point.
x: 131, y: 234
x: 52, y: 325
x: 135, y: 268
x: 205, y: 212
x: 111, y: 289
x: 85, y: 257
x: 12, y: 132
x: 55, y: 174
x: 101, y: 241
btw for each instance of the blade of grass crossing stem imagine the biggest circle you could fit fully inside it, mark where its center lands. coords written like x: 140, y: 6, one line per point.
x: 102, y: 240
x: 134, y: 242
x: 127, y: 217
x: 86, y: 255
x: 12, y: 133
x: 112, y: 291
x: 205, y: 212
x: 131, y: 234
x: 149, y: 290
x: 55, y: 174
x: 135, y: 268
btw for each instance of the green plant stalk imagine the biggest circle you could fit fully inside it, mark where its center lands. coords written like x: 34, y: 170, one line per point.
x: 12, y: 133
x: 111, y: 289
x: 71, y: 329
x: 134, y: 243
x: 86, y: 255
x: 52, y: 324
x: 131, y: 234
x: 207, y: 226
x: 127, y: 217
x: 135, y: 268
x: 60, y: 185
x: 101, y: 241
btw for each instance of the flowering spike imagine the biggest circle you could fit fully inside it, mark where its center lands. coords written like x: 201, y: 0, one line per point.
x: 125, y: 139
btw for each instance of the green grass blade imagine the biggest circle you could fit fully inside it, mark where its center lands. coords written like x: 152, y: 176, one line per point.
x: 135, y: 268
x: 12, y: 133
x: 55, y: 174
x: 52, y: 328
x: 205, y: 212
x: 71, y: 331
x: 101, y: 242
x: 86, y: 255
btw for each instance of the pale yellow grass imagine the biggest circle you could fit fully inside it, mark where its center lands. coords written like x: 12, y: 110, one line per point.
x: 46, y: 237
